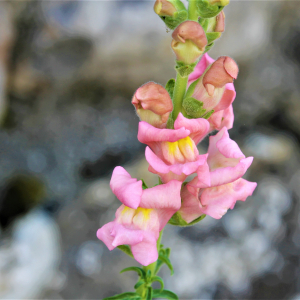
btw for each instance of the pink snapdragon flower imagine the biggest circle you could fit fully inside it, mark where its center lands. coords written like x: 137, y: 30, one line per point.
x: 215, y: 88
x: 172, y: 153
x: 141, y: 217
x: 227, y: 164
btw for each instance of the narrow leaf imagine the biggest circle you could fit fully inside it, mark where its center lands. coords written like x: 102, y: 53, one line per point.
x: 126, y: 249
x: 159, y: 264
x: 125, y: 296
x: 139, y: 283
x: 160, y: 280
x: 148, y: 275
x: 149, y: 293
x: 144, y: 185
x: 166, y: 260
x: 170, y: 87
x: 140, y: 271
x: 165, y: 294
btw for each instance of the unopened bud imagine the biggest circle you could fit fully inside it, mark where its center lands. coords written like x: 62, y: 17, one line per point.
x: 189, y: 41
x: 222, y: 71
x: 220, y: 22
x: 153, y: 104
x: 211, y: 87
x: 164, y: 8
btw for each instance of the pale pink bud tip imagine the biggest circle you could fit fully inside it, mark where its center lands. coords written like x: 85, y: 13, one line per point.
x: 154, y: 97
x: 231, y: 67
x: 190, y: 30
x: 164, y: 8
x: 222, y: 71
x: 220, y: 22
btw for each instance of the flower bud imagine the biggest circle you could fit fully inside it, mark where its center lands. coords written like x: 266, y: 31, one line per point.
x: 153, y: 104
x: 164, y: 8
x: 220, y: 22
x: 212, y: 88
x: 222, y: 71
x: 172, y: 12
x: 189, y: 41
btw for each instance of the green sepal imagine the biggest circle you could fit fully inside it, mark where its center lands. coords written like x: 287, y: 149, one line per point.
x: 212, y: 36
x: 160, y: 280
x: 126, y: 249
x: 149, y: 294
x: 205, y: 10
x: 170, y: 122
x: 176, y: 19
x: 207, y: 115
x: 144, y: 185
x: 139, y: 283
x: 140, y: 271
x: 191, y: 89
x: 204, y: 23
x: 183, y: 69
x: 125, y: 296
x: 166, y: 260
x: 165, y: 294
x: 177, y: 220
x: 193, y: 107
x: 160, y: 181
x: 170, y: 87
x: 208, y: 47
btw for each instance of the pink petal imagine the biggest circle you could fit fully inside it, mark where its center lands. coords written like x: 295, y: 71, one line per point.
x: 164, y: 198
x: 230, y: 174
x: 146, y: 252
x: 217, y: 200
x: 104, y: 234
x: 199, y: 128
x: 227, y: 98
x: 158, y: 166
x: 190, y: 207
x: 152, y: 136
x: 126, y: 236
x: 204, y: 62
x: 128, y: 190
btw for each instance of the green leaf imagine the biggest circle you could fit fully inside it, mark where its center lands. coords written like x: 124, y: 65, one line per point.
x: 159, y: 181
x: 193, y: 107
x: 165, y: 294
x: 140, y: 271
x: 168, y: 250
x: 139, y: 283
x: 126, y: 249
x: 148, y: 275
x: 125, y: 296
x: 204, y: 23
x: 149, y: 295
x: 211, y: 36
x: 166, y: 260
x: 207, y: 115
x: 144, y: 185
x: 177, y: 220
x: 183, y: 69
x: 170, y: 87
x: 160, y: 280
x: 208, y: 47
x: 206, y: 10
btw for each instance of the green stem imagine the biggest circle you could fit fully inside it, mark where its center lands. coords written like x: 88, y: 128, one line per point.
x: 193, y: 10
x: 179, y: 92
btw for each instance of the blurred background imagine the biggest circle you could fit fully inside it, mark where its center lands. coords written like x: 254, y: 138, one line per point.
x: 68, y: 71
